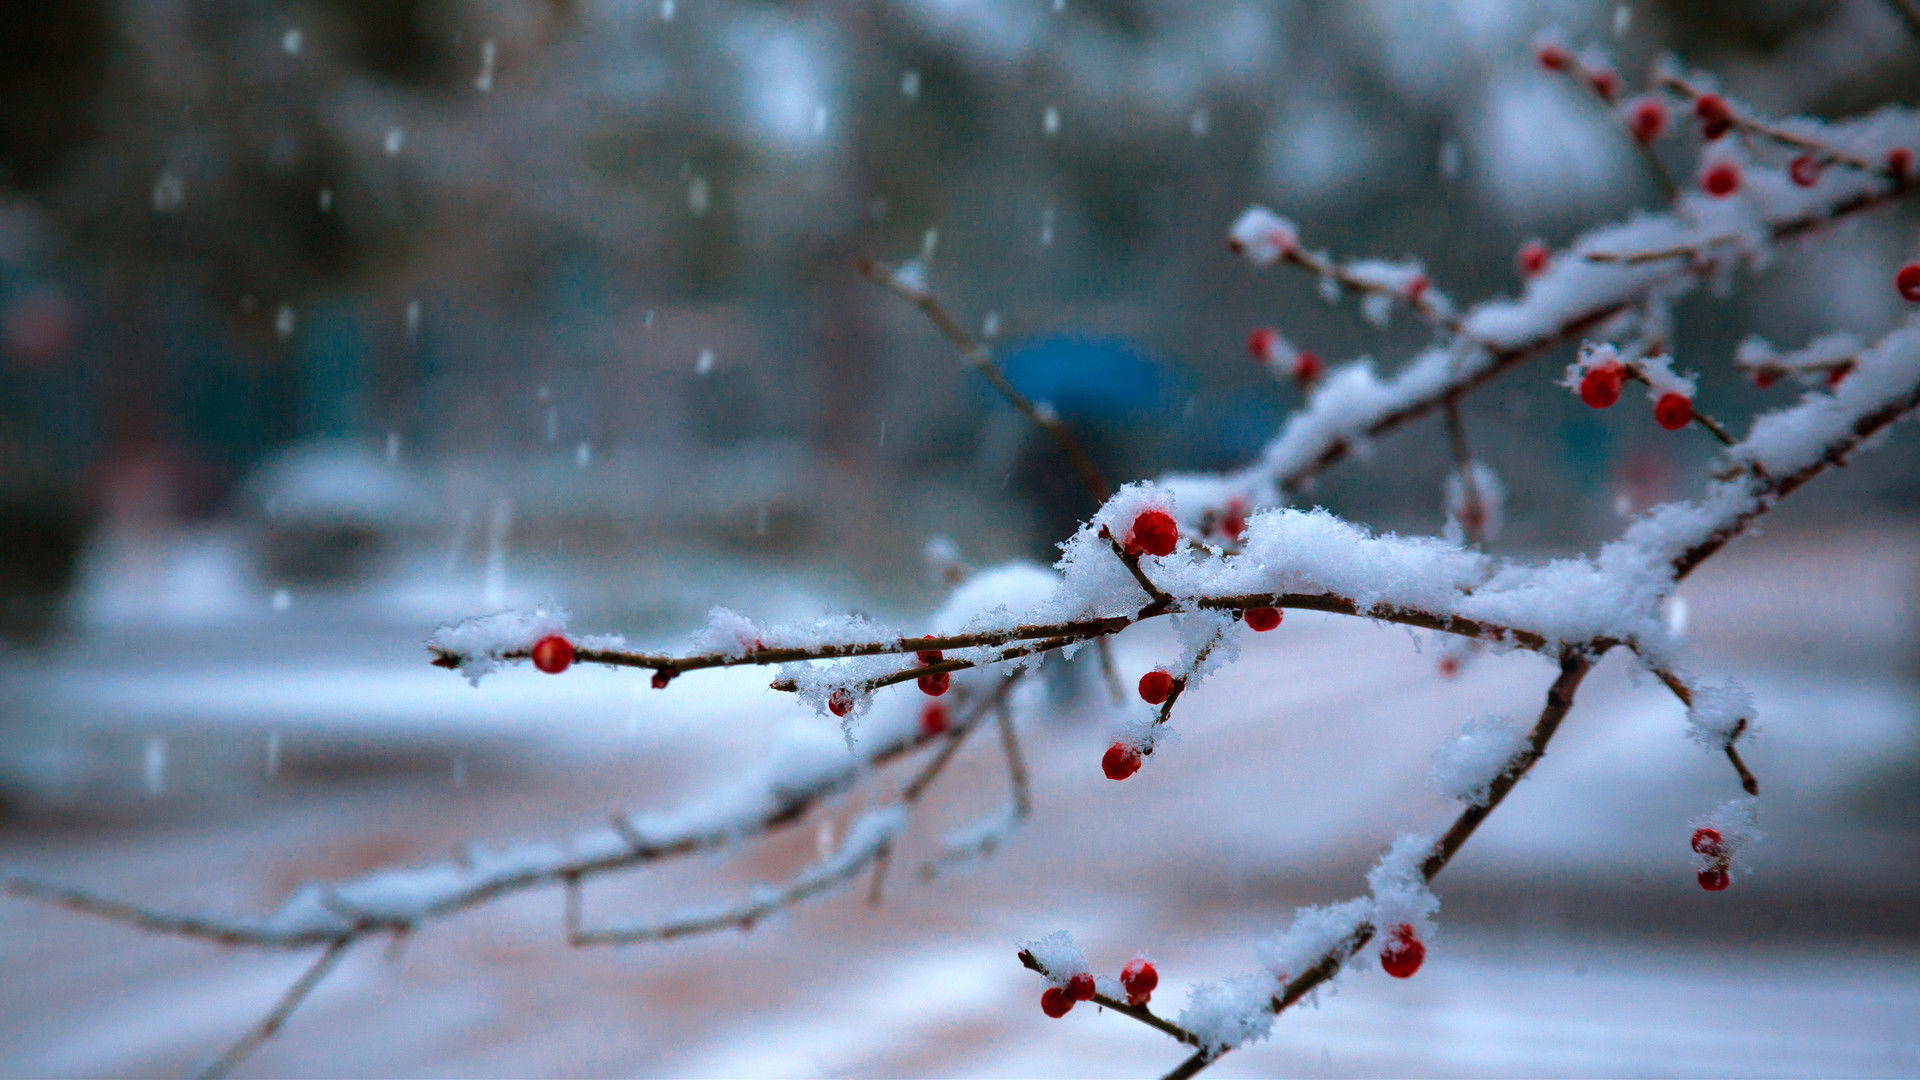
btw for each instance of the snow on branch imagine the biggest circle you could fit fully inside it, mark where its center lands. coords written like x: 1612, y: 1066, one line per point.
x: 1605, y: 275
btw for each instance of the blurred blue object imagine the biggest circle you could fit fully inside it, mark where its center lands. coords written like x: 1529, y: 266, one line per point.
x: 1088, y: 378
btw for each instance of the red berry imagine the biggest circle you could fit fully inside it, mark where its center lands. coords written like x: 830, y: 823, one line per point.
x: 1404, y: 954
x: 1234, y: 522
x: 1154, y: 533
x: 1600, y: 386
x: 1716, y: 119
x: 1900, y: 162
x: 1261, y: 343
x: 928, y: 657
x: 1120, y: 761
x: 934, y: 720
x: 1722, y: 180
x: 1648, y: 121
x: 1449, y: 666
x: 1056, y: 1002
x: 1673, y: 411
x: 1605, y: 83
x: 1707, y: 841
x: 1714, y: 878
x: 1156, y: 687
x: 1764, y: 378
x: 1533, y: 258
x: 936, y: 684
x: 1139, y: 978
x: 1418, y: 287
x: 1838, y: 373
x: 1553, y: 57
x: 840, y: 702
x: 661, y: 678
x: 1908, y: 282
x: 1262, y: 619
x: 1081, y: 987
x: 553, y: 654
x: 1804, y: 170
x: 1307, y: 368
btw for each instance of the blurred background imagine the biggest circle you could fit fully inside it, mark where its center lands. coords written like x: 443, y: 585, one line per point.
x: 323, y: 323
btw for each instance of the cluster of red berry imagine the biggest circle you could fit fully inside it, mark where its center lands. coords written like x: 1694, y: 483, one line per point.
x: 1138, y: 979
x: 1600, y: 388
x: 937, y: 683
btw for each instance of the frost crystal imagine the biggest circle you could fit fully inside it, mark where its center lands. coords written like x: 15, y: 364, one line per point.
x: 1467, y: 764
x: 1225, y: 1015
x: 1058, y: 956
x: 1717, y: 712
x: 1262, y: 235
x: 479, y: 643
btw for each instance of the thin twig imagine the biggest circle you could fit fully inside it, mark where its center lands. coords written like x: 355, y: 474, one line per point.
x: 1108, y: 673
x: 1669, y: 191
x: 1132, y: 562
x: 289, y: 1001
x: 1016, y: 763
x: 974, y: 355
x: 1137, y: 1012
x: 1748, y: 782
x: 1753, y: 126
x: 1574, y: 665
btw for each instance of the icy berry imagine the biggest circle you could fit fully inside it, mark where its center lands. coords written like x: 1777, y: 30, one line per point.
x: 1307, y: 368
x: 1804, y: 170
x: 1404, y: 954
x: 1120, y: 761
x: 553, y: 654
x: 1154, y: 533
x: 1156, y: 687
x: 1722, y: 180
x: 1715, y: 878
x: 1673, y: 411
x: 1233, y: 522
x: 1262, y: 342
x: 1716, y: 119
x: 1056, y: 1002
x: 1648, y: 121
x: 934, y: 720
x: 1605, y: 82
x: 1449, y: 666
x: 1417, y: 287
x: 1081, y: 987
x: 1900, y: 162
x: 936, y: 684
x: 1908, y: 282
x: 1139, y: 978
x: 840, y: 702
x: 1533, y: 258
x: 1600, y: 386
x: 1554, y: 57
x: 1707, y: 842
x: 1262, y: 619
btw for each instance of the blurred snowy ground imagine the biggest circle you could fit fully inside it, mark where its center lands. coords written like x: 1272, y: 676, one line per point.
x: 1573, y: 942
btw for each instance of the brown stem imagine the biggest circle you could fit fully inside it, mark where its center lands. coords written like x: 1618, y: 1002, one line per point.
x: 974, y: 355
x: 1574, y: 665
x: 1137, y: 1012
x: 289, y: 1001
